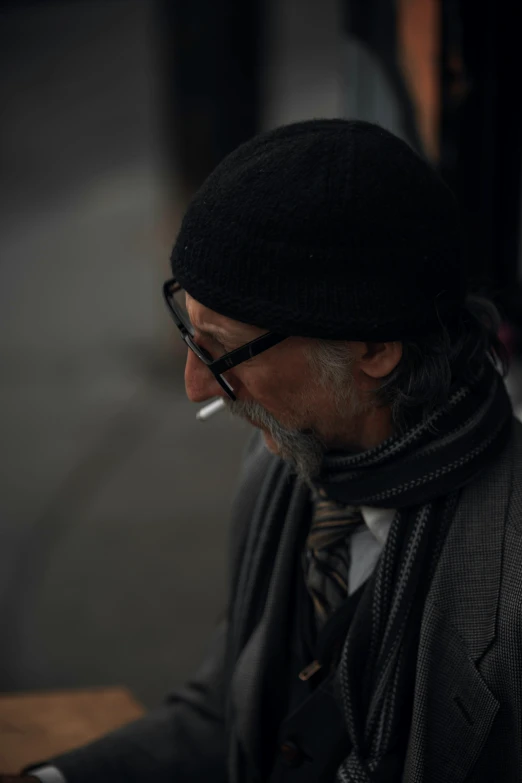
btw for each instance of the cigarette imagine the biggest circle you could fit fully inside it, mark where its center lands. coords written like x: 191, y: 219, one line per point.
x: 210, y: 409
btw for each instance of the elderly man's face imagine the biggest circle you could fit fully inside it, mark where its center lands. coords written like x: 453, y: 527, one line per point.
x: 279, y: 391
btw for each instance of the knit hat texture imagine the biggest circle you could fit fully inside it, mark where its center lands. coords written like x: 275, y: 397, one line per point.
x: 334, y: 229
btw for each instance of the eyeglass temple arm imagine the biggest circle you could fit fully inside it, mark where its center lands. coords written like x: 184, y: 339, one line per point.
x: 247, y: 351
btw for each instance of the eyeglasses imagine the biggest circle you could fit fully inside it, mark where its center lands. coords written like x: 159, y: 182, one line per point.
x: 217, y: 366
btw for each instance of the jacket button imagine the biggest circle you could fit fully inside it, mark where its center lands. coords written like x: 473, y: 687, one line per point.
x: 291, y: 754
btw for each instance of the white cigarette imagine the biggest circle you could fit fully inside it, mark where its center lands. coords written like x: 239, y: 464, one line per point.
x: 210, y: 409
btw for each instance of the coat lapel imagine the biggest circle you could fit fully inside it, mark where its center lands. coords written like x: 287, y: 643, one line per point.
x: 259, y: 662
x: 453, y: 708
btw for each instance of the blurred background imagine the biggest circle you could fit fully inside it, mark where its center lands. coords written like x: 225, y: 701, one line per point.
x: 114, y: 501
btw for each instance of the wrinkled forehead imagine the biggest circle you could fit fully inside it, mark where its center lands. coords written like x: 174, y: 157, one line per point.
x: 206, y: 320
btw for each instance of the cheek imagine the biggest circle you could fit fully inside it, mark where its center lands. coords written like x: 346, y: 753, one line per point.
x: 280, y: 380
x: 281, y: 393
x: 261, y: 389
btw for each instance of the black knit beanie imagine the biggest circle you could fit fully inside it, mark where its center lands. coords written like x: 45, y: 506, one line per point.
x: 326, y: 228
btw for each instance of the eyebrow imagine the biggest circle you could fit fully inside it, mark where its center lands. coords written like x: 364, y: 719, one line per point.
x: 215, y: 333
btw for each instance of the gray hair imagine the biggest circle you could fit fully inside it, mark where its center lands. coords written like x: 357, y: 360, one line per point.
x: 332, y: 360
x: 428, y: 367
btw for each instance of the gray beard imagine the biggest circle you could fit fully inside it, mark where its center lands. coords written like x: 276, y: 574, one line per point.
x: 302, y: 449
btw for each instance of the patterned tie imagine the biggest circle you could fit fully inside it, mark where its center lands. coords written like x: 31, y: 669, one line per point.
x: 326, y: 559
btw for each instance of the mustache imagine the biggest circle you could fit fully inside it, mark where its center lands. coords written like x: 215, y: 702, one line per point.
x: 253, y: 411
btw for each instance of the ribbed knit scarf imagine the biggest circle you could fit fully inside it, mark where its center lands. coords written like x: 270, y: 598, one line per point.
x: 419, y: 473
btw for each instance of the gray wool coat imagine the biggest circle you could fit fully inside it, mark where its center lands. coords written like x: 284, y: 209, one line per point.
x: 467, y: 711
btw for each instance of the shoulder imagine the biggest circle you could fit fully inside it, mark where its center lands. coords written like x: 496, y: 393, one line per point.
x: 256, y: 463
x: 257, y: 466
x: 502, y: 480
x: 517, y: 445
x: 515, y: 515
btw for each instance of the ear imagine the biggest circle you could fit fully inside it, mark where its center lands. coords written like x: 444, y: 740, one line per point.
x: 376, y: 360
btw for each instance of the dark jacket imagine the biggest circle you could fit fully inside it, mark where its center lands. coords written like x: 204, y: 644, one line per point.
x: 467, y: 711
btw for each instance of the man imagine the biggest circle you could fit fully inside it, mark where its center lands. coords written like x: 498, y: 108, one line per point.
x: 373, y: 631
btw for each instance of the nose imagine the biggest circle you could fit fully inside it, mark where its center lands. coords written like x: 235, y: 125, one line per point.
x: 200, y: 384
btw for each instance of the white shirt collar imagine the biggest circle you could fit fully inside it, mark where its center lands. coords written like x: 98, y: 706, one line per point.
x: 378, y: 521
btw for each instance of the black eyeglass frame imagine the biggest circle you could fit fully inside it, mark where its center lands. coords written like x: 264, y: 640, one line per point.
x: 231, y: 359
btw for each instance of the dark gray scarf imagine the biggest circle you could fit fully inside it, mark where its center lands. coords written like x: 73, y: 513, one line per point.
x: 418, y: 472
